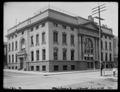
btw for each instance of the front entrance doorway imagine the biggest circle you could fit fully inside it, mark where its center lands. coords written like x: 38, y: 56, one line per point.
x: 21, y: 63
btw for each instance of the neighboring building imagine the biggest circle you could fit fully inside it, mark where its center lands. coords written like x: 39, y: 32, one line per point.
x: 5, y: 54
x: 107, y: 47
x: 115, y: 48
x: 55, y: 41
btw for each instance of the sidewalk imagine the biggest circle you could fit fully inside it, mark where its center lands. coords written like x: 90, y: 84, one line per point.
x: 52, y: 73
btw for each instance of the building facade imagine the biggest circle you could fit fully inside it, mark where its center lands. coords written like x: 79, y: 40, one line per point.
x: 5, y: 55
x: 55, y: 41
x: 115, y: 45
x: 107, y: 49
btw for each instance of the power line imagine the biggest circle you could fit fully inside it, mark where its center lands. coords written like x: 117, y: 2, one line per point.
x: 97, y: 6
x: 98, y: 12
x: 97, y: 9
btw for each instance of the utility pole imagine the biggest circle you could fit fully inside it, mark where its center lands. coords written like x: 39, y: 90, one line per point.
x: 98, y: 10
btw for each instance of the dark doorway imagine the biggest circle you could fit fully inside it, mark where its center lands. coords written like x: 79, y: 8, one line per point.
x: 91, y: 64
x: 21, y: 63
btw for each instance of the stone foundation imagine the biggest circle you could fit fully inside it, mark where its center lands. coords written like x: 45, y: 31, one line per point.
x: 48, y: 66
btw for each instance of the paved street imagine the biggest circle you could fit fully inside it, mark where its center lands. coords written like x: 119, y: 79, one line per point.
x: 37, y: 80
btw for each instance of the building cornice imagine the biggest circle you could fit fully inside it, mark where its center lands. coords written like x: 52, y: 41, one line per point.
x: 48, y: 17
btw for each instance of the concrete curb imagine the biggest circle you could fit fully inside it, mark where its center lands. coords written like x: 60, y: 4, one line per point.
x: 51, y: 73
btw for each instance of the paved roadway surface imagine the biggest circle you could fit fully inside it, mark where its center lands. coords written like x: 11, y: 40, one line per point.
x: 31, y: 80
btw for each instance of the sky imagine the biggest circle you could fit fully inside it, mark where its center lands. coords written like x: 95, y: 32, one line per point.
x: 15, y: 12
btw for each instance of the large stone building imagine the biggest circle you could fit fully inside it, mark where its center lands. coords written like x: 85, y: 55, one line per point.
x: 56, y: 41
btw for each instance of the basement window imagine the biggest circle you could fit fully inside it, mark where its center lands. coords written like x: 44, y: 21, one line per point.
x: 43, y: 68
x: 64, y: 67
x: 37, y: 68
x: 55, y: 67
x: 32, y: 68
x: 72, y: 67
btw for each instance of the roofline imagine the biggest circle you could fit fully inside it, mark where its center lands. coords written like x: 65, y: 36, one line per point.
x: 38, y: 15
x: 57, y: 12
x: 75, y: 17
x: 82, y: 18
x: 27, y: 20
x: 107, y: 28
x: 62, y: 13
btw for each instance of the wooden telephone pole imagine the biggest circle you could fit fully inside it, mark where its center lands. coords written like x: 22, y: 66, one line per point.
x: 98, y: 10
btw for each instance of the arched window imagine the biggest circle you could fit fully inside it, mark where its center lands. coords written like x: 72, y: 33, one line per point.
x: 88, y: 46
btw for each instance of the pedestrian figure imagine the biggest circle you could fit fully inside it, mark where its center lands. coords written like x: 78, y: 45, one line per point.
x: 102, y: 67
x: 114, y: 71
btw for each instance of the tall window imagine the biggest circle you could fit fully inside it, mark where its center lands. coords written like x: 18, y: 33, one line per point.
x: 43, y: 38
x: 110, y: 56
x: 72, y: 40
x: 106, y: 57
x: 9, y: 47
x: 32, y: 41
x: 12, y: 58
x: 55, y: 37
x: 101, y: 44
x: 72, y: 54
x: 16, y: 45
x: 22, y: 44
x: 32, y: 56
x: 64, y: 54
x: 105, y: 45
x: 16, y: 57
x: 55, y: 53
x: 64, y: 40
x: 12, y: 46
x: 37, y: 39
x: 9, y: 59
x: 43, y: 54
x: 110, y: 46
x: 37, y: 54
x: 101, y: 56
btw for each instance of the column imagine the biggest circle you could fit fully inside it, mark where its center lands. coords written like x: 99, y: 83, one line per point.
x: 82, y: 47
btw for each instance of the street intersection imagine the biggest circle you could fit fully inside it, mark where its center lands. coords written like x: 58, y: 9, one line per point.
x: 38, y: 80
